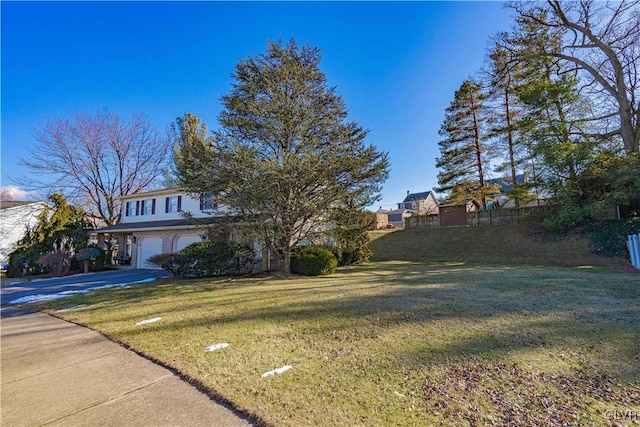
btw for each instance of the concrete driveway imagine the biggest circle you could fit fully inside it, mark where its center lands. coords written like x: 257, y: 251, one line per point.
x: 46, y: 288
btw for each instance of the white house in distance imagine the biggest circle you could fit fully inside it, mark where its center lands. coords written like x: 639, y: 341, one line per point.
x: 15, y: 218
x: 153, y: 222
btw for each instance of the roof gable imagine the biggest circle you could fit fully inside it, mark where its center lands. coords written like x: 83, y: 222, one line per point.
x: 416, y: 196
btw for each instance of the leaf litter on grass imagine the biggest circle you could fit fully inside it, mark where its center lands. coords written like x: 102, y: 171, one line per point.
x: 476, y: 392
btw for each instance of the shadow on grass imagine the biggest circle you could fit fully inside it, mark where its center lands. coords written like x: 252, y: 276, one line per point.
x: 488, y: 311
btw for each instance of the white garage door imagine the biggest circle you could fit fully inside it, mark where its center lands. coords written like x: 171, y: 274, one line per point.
x: 148, y: 247
x: 182, y: 242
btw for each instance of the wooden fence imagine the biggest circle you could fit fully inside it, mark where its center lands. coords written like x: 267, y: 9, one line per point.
x: 422, y: 221
x: 499, y: 216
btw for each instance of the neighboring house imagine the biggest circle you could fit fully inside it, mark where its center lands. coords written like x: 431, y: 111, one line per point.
x: 15, y: 219
x: 455, y: 214
x: 421, y: 203
x: 414, y: 204
x: 153, y: 222
x: 397, y: 216
x: 377, y: 220
x: 501, y: 200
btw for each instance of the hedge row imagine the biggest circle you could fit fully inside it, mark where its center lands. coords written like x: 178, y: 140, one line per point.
x: 207, y: 259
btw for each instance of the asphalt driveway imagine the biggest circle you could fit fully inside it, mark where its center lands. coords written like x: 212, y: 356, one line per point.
x: 43, y: 288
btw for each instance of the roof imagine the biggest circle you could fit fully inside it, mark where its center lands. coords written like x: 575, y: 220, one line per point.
x: 398, y: 211
x: 416, y: 196
x: 167, y: 190
x: 505, y: 183
x: 159, y: 225
x: 7, y: 204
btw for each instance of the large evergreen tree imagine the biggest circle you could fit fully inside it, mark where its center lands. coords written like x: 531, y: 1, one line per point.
x: 285, y: 157
x: 507, y: 134
x: 464, y: 154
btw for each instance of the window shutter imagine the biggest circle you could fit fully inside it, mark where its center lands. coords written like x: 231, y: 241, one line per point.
x: 166, y: 205
x: 179, y: 203
x: 201, y: 201
x: 126, y: 209
x: 153, y: 207
x: 138, y: 207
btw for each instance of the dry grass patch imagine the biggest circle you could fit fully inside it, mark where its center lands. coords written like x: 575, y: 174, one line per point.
x: 395, y: 343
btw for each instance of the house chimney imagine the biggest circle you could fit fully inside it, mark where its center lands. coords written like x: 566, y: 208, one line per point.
x: 408, y: 192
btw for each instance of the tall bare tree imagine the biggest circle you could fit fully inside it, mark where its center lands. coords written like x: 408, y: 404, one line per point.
x: 96, y: 159
x: 602, y: 42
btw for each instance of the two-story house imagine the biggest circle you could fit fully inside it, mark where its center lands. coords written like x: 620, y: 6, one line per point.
x: 413, y: 204
x: 421, y: 203
x: 153, y: 222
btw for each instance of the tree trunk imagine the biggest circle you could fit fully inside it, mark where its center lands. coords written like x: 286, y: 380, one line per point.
x: 285, y: 268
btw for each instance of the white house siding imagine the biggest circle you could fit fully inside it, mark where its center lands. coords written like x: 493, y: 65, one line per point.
x: 14, y: 221
x: 184, y: 240
x: 159, y: 231
x: 158, y: 200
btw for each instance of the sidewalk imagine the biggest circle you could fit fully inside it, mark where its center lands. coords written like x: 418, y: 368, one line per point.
x: 60, y: 374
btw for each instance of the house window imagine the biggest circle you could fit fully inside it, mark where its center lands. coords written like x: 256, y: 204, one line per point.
x: 173, y: 204
x: 149, y: 207
x: 207, y: 203
x: 131, y: 209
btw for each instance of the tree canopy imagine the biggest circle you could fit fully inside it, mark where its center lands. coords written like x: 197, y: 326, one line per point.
x: 562, y: 104
x: 285, y: 156
x: 96, y: 159
x: 464, y: 154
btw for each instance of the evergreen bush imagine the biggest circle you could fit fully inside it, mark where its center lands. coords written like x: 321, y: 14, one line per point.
x: 168, y: 262
x: 207, y: 259
x: 609, y: 237
x: 313, y: 261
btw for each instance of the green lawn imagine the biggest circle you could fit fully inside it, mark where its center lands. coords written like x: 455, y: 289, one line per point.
x: 395, y: 342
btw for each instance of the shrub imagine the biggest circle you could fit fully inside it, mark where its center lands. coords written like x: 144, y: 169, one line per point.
x: 91, y: 256
x: 609, y: 237
x: 355, y: 255
x: 207, y: 259
x: 168, y: 262
x: 335, y: 250
x: 89, y: 253
x: 565, y: 219
x: 313, y: 261
x: 243, y: 258
x: 57, y: 262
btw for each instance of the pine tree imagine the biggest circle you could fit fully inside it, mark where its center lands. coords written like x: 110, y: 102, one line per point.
x: 463, y: 152
x: 506, y: 126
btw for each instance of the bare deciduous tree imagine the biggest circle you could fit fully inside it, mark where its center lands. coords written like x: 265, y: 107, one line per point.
x: 602, y: 41
x: 96, y: 159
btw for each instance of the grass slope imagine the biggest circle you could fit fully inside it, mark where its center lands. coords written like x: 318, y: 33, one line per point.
x: 499, y: 244
x: 395, y: 342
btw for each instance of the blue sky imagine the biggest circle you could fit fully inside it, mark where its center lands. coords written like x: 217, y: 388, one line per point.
x: 396, y: 64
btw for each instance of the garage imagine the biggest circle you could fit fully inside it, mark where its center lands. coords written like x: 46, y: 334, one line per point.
x: 182, y: 241
x: 147, y: 247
